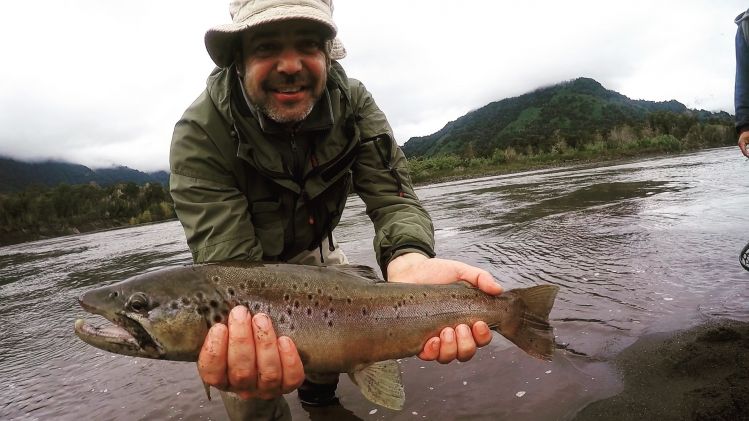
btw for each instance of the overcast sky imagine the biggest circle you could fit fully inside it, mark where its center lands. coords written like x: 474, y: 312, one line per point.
x: 102, y: 82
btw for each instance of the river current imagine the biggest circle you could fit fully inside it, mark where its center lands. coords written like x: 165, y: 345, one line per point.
x: 640, y: 246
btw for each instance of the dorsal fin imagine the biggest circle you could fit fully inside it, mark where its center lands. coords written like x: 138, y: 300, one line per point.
x: 360, y: 271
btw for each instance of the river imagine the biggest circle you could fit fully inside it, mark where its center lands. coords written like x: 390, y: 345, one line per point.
x: 640, y: 246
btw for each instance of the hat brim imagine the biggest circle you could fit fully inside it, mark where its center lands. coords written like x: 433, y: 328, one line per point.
x: 222, y: 41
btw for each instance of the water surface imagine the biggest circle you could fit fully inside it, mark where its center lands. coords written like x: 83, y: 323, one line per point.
x: 637, y: 247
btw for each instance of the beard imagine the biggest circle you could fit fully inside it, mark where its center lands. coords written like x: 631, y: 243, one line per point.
x: 264, y: 96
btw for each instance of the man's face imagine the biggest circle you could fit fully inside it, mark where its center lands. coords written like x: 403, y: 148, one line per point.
x: 284, y: 69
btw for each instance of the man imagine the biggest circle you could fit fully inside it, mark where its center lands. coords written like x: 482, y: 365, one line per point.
x: 741, y: 88
x: 261, y: 166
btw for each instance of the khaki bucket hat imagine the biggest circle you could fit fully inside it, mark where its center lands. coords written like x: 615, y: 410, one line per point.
x: 222, y: 41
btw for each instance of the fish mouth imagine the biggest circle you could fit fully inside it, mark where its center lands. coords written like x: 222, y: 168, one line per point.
x: 124, y: 335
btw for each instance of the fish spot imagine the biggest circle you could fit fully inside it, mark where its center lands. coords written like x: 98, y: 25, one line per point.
x: 424, y: 293
x: 295, y: 286
x: 291, y: 328
x: 330, y: 298
x: 231, y: 291
x: 336, y: 288
x: 363, y: 311
x: 200, y: 296
x: 263, y: 284
x: 349, y: 300
x: 286, y: 297
x: 296, y: 304
x: 257, y: 306
x: 282, y: 319
x: 214, y: 303
x: 309, y: 311
x: 225, y: 312
x: 215, y: 279
x: 306, y: 285
x: 242, y: 285
x: 330, y: 323
x: 185, y: 300
x: 288, y: 311
x: 175, y: 305
x: 325, y: 314
x: 390, y: 334
x: 411, y: 297
x: 319, y: 290
x: 217, y: 318
x: 331, y: 311
x: 309, y: 297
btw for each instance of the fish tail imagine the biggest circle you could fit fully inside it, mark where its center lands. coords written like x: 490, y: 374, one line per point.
x: 531, y: 330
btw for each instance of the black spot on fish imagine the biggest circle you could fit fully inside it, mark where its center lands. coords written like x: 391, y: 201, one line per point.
x: 317, y: 303
x: 217, y: 318
x: 306, y: 285
x: 291, y: 328
x: 363, y: 311
x: 296, y: 304
x: 214, y: 303
x: 185, y: 300
x: 200, y: 296
x: 257, y: 306
x: 282, y: 319
x: 335, y: 287
x: 288, y: 311
x: 425, y: 294
x: 294, y: 286
x: 453, y: 295
x: 225, y: 312
x: 319, y: 290
x: 331, y: 311
x: 325, y: 314
x: 309, y: 311
x: 175, y: 305
x: 349, y: 300
x: 216, y: 279
x: 286, y: 297
x: 309, y: 297
x: 390, y: 334
x: 242, y: 285
x: 231, y: 291
x: 330, y: 298
x: 263, y: 284
x: 411, y: 297
x: 330, y: 323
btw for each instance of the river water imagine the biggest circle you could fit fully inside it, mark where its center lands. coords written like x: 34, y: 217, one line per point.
x: 637, y: 247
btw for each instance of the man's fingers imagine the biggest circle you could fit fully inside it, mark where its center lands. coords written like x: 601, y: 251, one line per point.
x: 212, y: 358
x: 449, y: 346
x: 481, y: 333
x: 431, y: 350
x: 465, y: 343
x: 242, y: 373
x: 479, y: 278
x: 268, y: 361
x: 291, y: 365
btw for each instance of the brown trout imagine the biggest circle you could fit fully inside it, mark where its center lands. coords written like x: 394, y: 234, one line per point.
x: 343, y: 319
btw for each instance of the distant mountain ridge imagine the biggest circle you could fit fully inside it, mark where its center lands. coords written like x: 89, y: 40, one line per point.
x: 16, y: 175
x: 576, y: 111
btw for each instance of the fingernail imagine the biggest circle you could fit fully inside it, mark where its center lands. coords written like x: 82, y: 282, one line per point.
x: 436, y: 345
x: 463, y: 330
x: 239, y: 313
x: 262, y: 321
x: 449, y: 335
x: 284, y: 343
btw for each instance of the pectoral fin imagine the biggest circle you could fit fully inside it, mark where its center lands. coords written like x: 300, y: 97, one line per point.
x: 207, y: 390
x: 381, y: 383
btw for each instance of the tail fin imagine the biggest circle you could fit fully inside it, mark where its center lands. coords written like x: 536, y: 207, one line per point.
x: 533, y: 334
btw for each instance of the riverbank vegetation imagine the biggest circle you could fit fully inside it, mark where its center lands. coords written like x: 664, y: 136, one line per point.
x: 41, y: 212
x: 682, y: 135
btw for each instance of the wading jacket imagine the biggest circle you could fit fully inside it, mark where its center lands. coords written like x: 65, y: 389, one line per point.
x: 741, y: 87
x: 245, y: 187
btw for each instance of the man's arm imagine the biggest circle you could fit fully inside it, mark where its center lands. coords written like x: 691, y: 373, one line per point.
x: 741, y: 90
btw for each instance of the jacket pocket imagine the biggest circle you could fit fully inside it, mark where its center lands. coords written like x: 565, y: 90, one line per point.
x: 266, y: 218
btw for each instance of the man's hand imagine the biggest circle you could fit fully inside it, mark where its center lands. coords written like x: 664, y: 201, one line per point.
x: 246, y: 358
x: 459, y: 343
x: 743, y: 140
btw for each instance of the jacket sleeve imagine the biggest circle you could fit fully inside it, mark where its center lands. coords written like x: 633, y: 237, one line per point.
x: 741, y: 88
x: 381, y: 179
x: 210, y: 206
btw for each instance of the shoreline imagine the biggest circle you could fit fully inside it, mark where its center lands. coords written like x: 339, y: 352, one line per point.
x: 701, y: 373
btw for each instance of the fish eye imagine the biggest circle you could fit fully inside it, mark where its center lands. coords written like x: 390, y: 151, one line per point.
x: 138, y: 302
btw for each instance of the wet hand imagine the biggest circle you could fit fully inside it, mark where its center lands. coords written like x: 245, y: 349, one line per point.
x: 246, y: 357
x: 462, y: 341
x: 743, y: 140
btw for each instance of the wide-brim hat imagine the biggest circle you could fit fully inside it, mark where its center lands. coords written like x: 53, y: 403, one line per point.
x: 223, y: 41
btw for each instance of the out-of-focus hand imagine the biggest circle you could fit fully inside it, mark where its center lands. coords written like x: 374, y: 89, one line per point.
x: 461, y: 342
x: 743, y: 140
x: 246, y: 357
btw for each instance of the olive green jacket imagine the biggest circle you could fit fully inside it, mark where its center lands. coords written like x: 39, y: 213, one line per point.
x: 247, y: 188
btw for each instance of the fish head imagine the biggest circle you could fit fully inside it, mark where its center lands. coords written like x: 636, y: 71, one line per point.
x: 164, y: 314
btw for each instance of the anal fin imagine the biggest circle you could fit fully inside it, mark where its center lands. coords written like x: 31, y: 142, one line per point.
x: 381, y: 383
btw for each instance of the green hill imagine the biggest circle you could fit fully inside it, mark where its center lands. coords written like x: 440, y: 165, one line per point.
x: 17, y: 175
x: 567, y: 115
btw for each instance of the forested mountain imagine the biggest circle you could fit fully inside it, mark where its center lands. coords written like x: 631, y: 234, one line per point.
x: 571, y: 114
x: 16, y: 175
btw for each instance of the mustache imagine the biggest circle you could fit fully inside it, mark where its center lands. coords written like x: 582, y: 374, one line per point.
x: 278, y: 79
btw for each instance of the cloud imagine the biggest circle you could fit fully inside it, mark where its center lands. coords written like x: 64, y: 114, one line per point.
x: 103, y: 83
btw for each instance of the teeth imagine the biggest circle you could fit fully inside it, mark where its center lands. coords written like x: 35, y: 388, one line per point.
x: 289, y: 90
